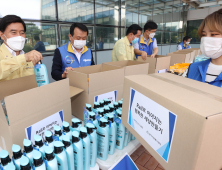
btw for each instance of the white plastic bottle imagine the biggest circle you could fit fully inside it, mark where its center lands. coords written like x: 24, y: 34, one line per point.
x: 69, y: 151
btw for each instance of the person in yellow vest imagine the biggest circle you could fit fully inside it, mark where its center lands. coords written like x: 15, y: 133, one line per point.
x: 14, y: 63
x: 123, y: 49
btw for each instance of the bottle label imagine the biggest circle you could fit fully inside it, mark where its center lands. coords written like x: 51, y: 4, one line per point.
x: 118, y: 120
x: 75, y: 158
x: 100, y: 144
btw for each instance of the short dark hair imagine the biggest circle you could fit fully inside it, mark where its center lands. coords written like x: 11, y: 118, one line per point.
x: 150, y: 25
x: 78, y: 25
x: 186, y: 38
x: 36, y: 37
x: 8, y: 19
x: 133, y: 29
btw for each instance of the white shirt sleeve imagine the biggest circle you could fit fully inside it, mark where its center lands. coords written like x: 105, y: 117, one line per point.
x: 155, y: 43
x: 136, y: 46
x: 179, y: 47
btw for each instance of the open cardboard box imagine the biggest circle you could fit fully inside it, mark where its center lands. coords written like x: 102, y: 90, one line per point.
x: 31, y: 109
x: 177, y: 57
x: 130, y: 67
x: 188, y: 59
x: 97, y: 84
x: 159, y: 64
x: 178, y: 120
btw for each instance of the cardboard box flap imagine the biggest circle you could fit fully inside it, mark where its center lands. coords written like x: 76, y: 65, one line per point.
x: 98, y: 80
x: 163, y: 63
x: 108, y: 67
x: 88, y: 69
x: 137, y: 69
x: 17, y: 85
x: 151, y: 61
x: 2, y: 115
x: 26, y: 103
x: 74, y: 91
x: 203, y: 105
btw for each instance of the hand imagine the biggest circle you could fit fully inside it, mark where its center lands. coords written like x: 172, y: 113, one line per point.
x: 153, y: 56
x: 144, y: 55
x: 33, y: 56
x: 64, y: 75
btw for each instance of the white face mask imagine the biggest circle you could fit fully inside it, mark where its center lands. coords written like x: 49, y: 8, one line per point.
x: 152, y: 35
x: 187, y: 43
x: 79, y: 44
x: 211, y: 47
x: 16, y: 43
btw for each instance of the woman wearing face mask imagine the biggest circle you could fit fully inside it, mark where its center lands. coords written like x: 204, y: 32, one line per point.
x: 74, y: 54
x: 209, y: 71
x: 185, y: 44
x: 14, y: 63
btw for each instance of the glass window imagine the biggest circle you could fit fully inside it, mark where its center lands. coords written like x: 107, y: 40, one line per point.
x: 123, y: 32
x: 143, y: 19
x: 64, y: 36
x: 166, y: 38
x: 158, y: 36
x: 132, y: 8
x: 75, y: 11
x: 29, y: 9
x: 167, y: 19
x: 192, y: 29
x: 107, y: 12
x: 41, y: 37
x: 174, y: 36
x: 158, y: 18
x: 106, y: 37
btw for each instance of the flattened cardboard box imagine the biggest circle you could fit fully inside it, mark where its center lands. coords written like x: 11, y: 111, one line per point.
x: 27, y: 104
x: 158, y: 64
x: 130, y: 67
x: 184, y: 113
x: 95, y: 83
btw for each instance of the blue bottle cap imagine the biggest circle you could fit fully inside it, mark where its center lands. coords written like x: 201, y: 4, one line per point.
x: 83, y: 129
x: 88, y: 105
x: 96, y: 103
x: 16, y: 148
x: 3, y: 154
x: 66, y: 138
x: 37, y: 138
x: 48, y: 150
x: 101, y: 101
x: 120, y: 101
x: 48, y: 133
x: 65, y: 124
x: 27, y: 142
x: 74, y: 120
x: 10, y: 166
x: 36, y: 154
x: 115, y: 103
x: 90, y: 125
x: 58, y: 144
x: 57, y: 128
x: 103, y: 119
x: 92, y: 113
x: 106, y: 107
x: 75, y: 134
x: 24, y: 161
x: 111, y: 105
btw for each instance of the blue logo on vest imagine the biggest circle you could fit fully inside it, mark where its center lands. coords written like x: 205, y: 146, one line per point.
x: 69, y: 59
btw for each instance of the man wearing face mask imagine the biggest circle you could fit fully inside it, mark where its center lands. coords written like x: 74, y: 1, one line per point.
x: 209, y: 71
x: 73, y: 54
x: 185, y: 44
x: 123, y: 49
x: 14, y: 63
x: 147, y: 44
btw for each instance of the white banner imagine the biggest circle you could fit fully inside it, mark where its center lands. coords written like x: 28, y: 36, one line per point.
x: 153, y: 122
x: 112, y: 96
x: 46, y: 124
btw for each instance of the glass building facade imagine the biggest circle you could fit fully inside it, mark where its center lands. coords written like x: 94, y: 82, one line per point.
x: 107, y: 20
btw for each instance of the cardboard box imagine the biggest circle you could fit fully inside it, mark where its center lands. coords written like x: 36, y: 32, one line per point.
x: 97, y: 84
x: 177, y: 57
x: 27, y: 104
x: 196, y: 50
x: 178, y: 120
x: 190, y: 55
x: 130, y: 67
x: 159, y: 64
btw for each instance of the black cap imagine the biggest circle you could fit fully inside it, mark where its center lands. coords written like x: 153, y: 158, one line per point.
x: 50, y: 156
x: 93, y: 117
x: 58, y: 150
x: 26, y: 167
x: 89, y: 130
x: 38, y: 162
x: 75, y: 139
x: 111, y: 119
x: 49, y: 139
x: 89, y: 109
x: 28, y: 149
x: 106, y: 110
x: 17, y: 155
x: 102, y: 124
x: 83, y: 134
x: 120, y: 105
x: 6, y: 160
x: 96, y: 106
x: 66, y: 129
x: 39, y: 143
x: 59, y: 132
x: 66, y: 143
x: 111, y: 109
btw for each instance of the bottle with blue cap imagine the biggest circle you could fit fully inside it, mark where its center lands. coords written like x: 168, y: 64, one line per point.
x: 78, y: 150
x: 69, y: 151
x: 120, y: 103
x: 101, y: 102
x: 112, y: 109
x: 58, y: 132
x: 106, y: 102
x: 60, y: 155
x: 129, y: 137
x: 92, y: 117
x: 126, y: 137
x: 39, y: 144
x: 49, y: 138
x: 17, y: 154
x: 101, y: 112
x: 88, y: 109
x: 91, y: 130
x: 76, y: 124
x: 103, y: 139
x: 41, y: 74
x: 28, y: 150
x: 5, y: 159
x: 116, y: 105
x: 106, y: 111
x: 66, y: 129
x: 24, y: 163
x: 38, y: 162
x: 96, y: 106
x: 10, y: 166
x: 120, y: 132
x: 112, y: 133
x: 86, y: 148
x: 52, y: 163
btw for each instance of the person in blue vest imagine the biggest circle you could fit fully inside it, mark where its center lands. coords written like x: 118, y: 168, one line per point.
x: 185, y: 44
x: 209, y: 71
x: 39, y: 46
x: 147, y: 44
x: 73, y: 54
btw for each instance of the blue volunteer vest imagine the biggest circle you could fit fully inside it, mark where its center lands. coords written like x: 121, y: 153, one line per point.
x: 143, y: 47
x: 197, y: 71
x: 186, y: 47
x: 69, y: 58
